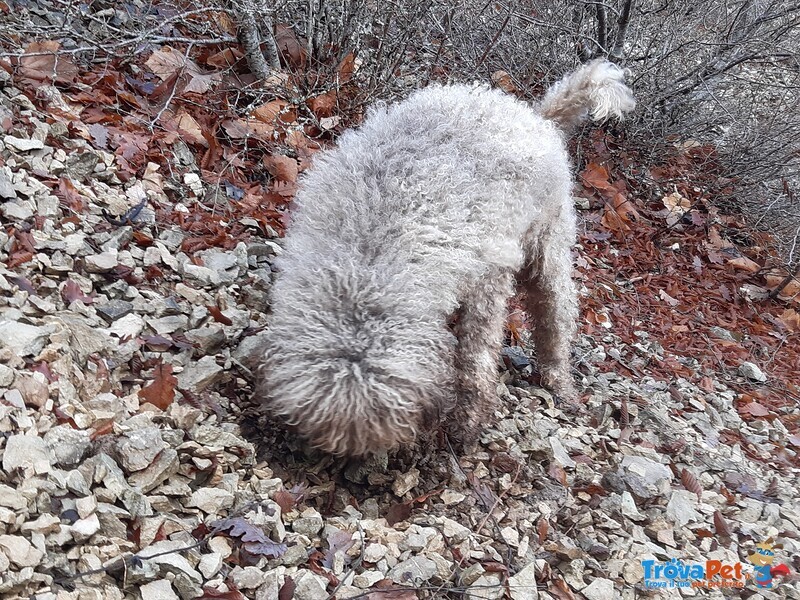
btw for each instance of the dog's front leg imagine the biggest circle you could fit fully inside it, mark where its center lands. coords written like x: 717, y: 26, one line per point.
x: 479, y: 331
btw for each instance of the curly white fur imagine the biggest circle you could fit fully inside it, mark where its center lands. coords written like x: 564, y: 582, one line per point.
x: 426, y: 212
x: 597, y: 87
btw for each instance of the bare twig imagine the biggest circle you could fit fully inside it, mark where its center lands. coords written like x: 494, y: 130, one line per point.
x: 617, y: 51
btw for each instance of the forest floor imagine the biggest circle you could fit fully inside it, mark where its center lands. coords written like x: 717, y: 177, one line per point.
x: 142, y: 205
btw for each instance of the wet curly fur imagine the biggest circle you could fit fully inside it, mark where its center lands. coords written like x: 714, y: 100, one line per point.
x: 434, y: 208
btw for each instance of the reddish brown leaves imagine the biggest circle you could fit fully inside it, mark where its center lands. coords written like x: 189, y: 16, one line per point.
x: 252, y: 538
x: 71, y: 292
x: 690, y: 482
x: 42, y: 63
x: 721, y: 526
x: 282, y: 168
x: 752, y: 410
x: 161, y: 392
x: 216, y: 313
x: 398, y: 512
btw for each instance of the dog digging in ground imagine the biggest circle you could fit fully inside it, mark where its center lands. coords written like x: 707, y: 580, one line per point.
x: 431, y: 211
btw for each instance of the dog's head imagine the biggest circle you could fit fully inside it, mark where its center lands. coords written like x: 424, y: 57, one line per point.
x: 353, y: 365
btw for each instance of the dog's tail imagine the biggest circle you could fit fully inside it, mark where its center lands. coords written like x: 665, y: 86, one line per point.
x: 597, y: 89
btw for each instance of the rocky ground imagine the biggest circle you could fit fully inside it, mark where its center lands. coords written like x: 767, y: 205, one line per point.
x: 136, y: 465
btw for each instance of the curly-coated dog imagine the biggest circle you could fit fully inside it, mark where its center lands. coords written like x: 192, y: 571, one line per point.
x: 430, y: 211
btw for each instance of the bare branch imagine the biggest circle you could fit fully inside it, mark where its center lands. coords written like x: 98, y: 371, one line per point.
x: 617, y: 52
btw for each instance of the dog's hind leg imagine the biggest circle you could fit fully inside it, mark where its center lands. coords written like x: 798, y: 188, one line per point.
x: 479, y: 331
x: 551, y: 301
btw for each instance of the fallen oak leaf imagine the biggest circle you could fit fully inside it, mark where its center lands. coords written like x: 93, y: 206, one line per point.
x: 216, y: 313
x: 753, y: 409
x: 166, y: 62
x: 282, y: 168
x: 43, y: 62
x: 252, y: 538
x: 744, y: 264
x: 71, y: 292
x: 161, y: 392
x: 690, y: 482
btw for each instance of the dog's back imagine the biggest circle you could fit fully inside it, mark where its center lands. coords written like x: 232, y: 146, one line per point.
x: 429, y: 200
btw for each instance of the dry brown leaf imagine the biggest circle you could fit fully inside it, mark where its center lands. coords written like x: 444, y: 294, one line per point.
x: 504, y: 81
x: 218, y: 316
x: 274, y: 111
x: 161, y: 392
x: 690, y: 482
x: 225, y: 59
x: 324, y: 104
x: 612, y: 221
x: 42, y: 62
x: 291, y: 49
x: 753, y: 409
x: 190, y: 129
x: 721, y: 526
x: 282, y: 168
x: 347, y: 67
x: 238, y: 129
x: 791, y: 318
x: 542, y: 528
x: 792, y: 289
x: 744, y: 264
x: 167, y: 62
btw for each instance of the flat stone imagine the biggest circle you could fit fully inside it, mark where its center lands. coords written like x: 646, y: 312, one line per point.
x: 20, y: 551
x: 211, y: 500
x: 165, y: 465
x: 16, y: 211
x: 67, y: 445
x: 374, y: 552
x: 22, y: 144
x: 137, y: 449
x: 174, y: 562
x: 26, y: 451
x: 23, y: 339
x: 486, y: 587
x: 210, y: 564
x: 11, y: 498
x: 34, y: 392
x: 207, y: 339
x: 202, y: 275
x: 405, y: 482
x: 600, y: 589
x: 129, y: 326
x: 560, y: 453
x: 200, y: 375
x: 44, y: 524
x: 751, y: 371
x: 680, y: 508
x: 83, y: 529
x: 7, y: 375
x: 273, y: 582
x: 158, y: 590
x: 225, y: 264
x: 645, y: 477
x: 7, y: 190
x: 523, y: 585
x: 309, y: 586
x: 113, y: 310
x: 101, y: 263
x: 247, y: 578
x: 413, y: 571
x: 309, y: 523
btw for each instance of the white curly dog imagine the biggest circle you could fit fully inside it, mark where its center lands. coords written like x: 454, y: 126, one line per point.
x: 426, y: 214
